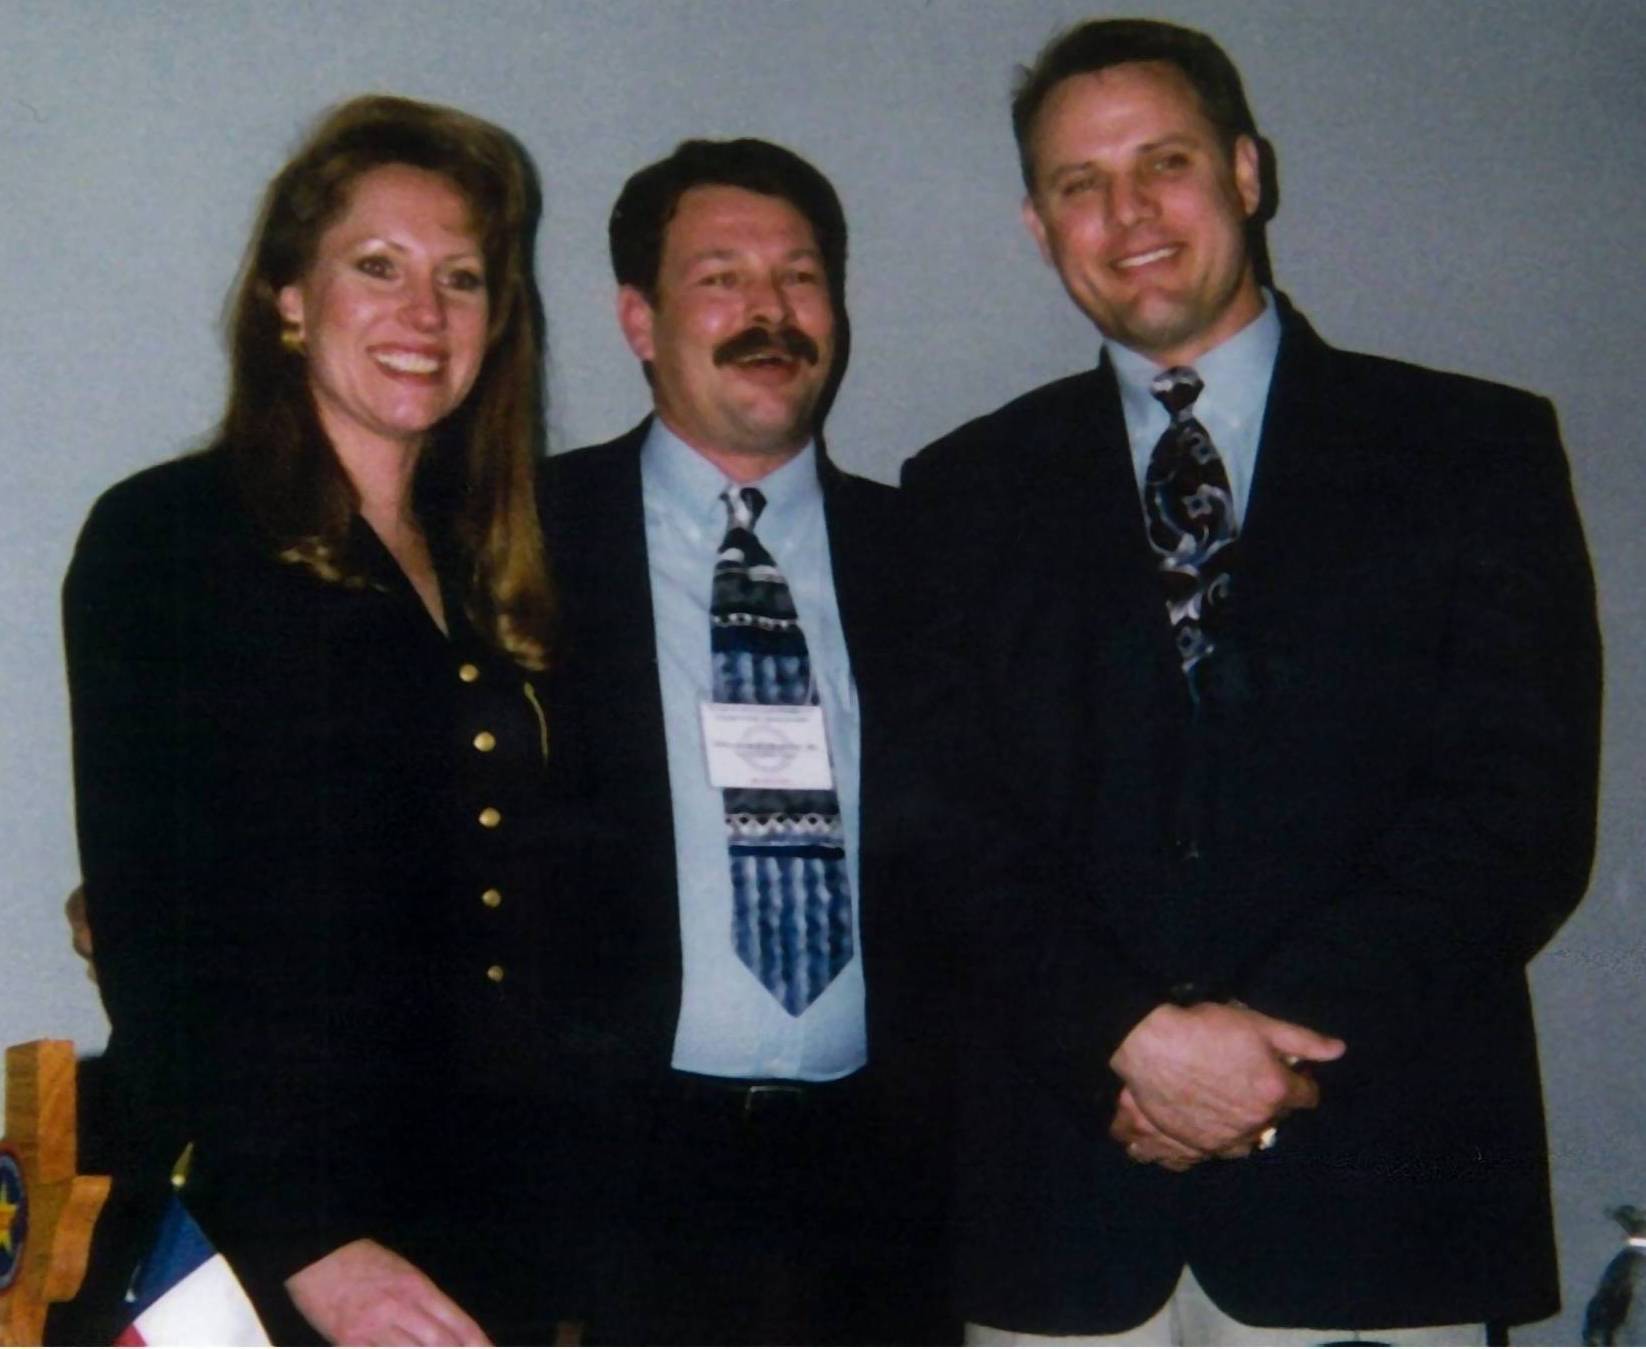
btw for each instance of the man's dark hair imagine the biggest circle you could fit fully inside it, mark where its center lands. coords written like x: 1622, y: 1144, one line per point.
x: 650, y: 198
x: 1100, y: 43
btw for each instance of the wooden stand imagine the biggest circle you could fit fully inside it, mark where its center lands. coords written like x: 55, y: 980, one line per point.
x: 45, y: 1229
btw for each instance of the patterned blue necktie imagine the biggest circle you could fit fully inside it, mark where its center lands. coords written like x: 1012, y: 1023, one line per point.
x: 791, y: 900
x: 1189, y: 512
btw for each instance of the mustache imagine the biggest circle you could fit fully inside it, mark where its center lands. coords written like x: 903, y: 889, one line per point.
x: 757, y: 341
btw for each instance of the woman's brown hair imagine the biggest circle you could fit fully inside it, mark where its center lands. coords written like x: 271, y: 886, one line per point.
x: 474, y: 491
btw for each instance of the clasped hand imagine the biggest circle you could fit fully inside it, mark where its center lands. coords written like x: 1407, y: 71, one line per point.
x: 1206, y: 1081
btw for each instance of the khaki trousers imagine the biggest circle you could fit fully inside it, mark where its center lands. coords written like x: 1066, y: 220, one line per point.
x: 1190, y: 1317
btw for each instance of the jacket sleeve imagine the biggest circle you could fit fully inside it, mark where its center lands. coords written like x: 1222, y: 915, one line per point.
x: 1043, y: 979
x: 211, y: 946
x: 1489, y: 847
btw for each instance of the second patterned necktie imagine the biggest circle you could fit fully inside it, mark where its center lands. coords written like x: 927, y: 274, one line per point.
x: 1189, y: 513
x: 791, y: 898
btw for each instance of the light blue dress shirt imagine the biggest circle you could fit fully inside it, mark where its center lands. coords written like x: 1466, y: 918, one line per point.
x: 1236, y: 375
x: 730, y: 1025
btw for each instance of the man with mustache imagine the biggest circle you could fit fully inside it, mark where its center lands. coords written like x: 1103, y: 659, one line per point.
x: 725, y: 723
x: 1281, y: 695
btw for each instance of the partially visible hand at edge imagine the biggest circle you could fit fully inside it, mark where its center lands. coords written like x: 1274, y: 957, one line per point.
x: 363, y: 1293
x: 74, y: 909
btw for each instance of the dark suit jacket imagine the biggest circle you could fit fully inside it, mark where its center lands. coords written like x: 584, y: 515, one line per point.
x: 1381, y: 809
x: 277, y: 797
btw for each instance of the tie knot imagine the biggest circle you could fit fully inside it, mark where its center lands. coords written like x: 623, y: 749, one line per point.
x: 1176, y: 388
x: 743, y: 506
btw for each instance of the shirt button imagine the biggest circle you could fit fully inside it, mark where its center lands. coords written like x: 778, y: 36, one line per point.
x: 495, y: 973
x: 492, y: 898
x: 468, y: 672
x: 490, y: 817
x: 485, y: 742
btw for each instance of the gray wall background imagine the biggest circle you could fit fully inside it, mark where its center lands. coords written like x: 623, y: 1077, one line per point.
x: 1461, y: 185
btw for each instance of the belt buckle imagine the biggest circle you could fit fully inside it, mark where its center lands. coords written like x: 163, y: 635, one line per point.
x: 770, y: 1092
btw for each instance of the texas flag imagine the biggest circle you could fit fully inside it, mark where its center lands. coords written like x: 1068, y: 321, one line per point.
x: 185, y: 1292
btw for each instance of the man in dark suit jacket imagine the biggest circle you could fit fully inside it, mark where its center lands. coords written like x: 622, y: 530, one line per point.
x: 780, y: 1186
x: 1290, y: 752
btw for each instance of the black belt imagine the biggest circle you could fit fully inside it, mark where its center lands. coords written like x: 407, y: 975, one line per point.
x: 757, y: 1101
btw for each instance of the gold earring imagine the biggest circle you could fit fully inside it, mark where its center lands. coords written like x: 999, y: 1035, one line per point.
x: 291, y: 338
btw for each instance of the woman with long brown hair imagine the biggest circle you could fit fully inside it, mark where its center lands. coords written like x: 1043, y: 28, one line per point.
x: 308, y: 673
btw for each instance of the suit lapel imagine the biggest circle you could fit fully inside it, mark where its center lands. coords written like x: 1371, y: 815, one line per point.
x: 628, y: 647
x: 1290, y: 424
x: 1307, y: 491
x: 602, y: 553
x: 599, y: 552
x: 863, y: 538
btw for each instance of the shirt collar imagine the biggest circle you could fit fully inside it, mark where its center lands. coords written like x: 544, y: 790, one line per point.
x: 1235, y: 372
x: 691, y: 484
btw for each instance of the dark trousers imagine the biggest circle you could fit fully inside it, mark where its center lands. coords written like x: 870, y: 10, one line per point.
x: 510, y: 1204
x: 777, y: 1214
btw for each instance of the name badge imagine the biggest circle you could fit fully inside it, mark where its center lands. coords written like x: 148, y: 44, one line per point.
x: 782, y: 747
